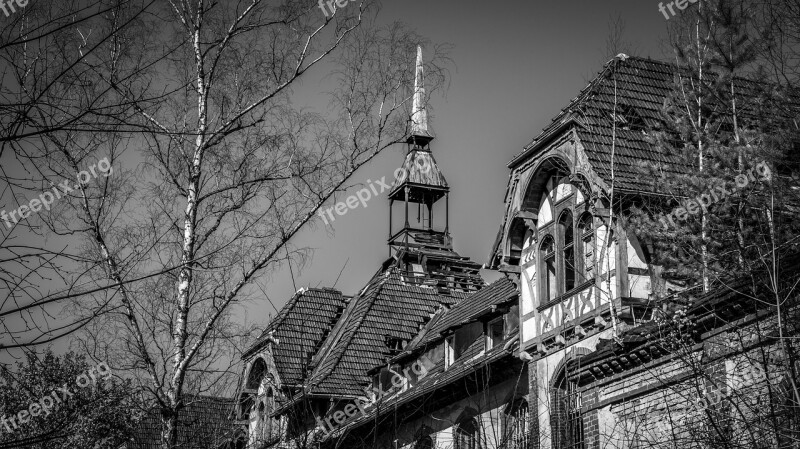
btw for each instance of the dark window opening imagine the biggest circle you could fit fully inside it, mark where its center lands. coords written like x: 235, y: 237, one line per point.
x: 789, y: 165
x: 548, y: 252
x: 395, y: 344
x: 467, y: 435
x: 518, y: 428
x: 626, y: 117
x: 587, y: 239
x: 566, y: 420
x: 424, y: 443
x: 495, y: 332
x: 465, y: 336
x: 568, y: 240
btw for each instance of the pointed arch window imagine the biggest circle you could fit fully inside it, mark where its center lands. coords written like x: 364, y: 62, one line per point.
x: 247, y: 399
x: 518, y: 427
x: 566, y: 419
x: 567, y: 230
x: 467, y: 435
x: 566, y: 253
x: 548, y: 258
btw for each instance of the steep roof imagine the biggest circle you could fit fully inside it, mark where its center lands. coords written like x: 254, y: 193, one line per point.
x: 473, y: 306
x: 204, y: 422
x: 419, y: 168
x: 300, y: 328
x: 387, y: 308
x: 475, y: 358
x: 641, y: 87
x: 419, y: 113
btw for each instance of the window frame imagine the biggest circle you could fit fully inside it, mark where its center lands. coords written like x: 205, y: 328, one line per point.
x: 547, y: 259
x: 474, y: 436
x: 449, y: 351
x: 564, y: 246
x: 518, y: 436
x: 555, y: 232
x: 584, y: 234
x: 494, y: 321
x: 566, y: 402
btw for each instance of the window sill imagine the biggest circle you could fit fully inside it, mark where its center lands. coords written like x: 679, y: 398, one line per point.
x: 566, y: 295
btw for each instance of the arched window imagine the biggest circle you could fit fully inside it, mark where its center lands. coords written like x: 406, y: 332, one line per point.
x: 566, y: 421
x: 518, y: 427
x: 586, y: 230
x: 548, y: 257
x: 567, y: 231
x: 248, y: 396
x: 424, y: 443
x: 467, y: 435
x: 517, y: 236
x: 257, y: 372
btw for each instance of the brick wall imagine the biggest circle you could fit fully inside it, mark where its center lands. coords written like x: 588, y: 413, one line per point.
x: 716, y: 395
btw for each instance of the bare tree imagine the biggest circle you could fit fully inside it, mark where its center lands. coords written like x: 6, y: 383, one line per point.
x: 213, y: 168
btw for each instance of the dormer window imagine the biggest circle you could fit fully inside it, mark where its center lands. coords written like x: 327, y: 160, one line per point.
x: 467, y: 435
x: 495, y: 333
x: 626, y: 117
x: 395, y: 344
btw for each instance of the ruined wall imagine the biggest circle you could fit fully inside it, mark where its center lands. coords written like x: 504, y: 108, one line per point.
x: 730, y: 389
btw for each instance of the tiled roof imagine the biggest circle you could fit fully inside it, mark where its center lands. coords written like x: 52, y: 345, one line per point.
x: 204, y: 422
x: 419, y: 167
x: 642, y: 86
x: 473, y: 359
x: 300, y: 328
x: 385, y: 309
x: 471, y: 307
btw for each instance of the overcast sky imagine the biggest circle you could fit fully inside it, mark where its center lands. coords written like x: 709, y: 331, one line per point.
x: 517, y: 64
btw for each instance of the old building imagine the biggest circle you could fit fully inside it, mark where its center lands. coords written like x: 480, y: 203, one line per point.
x: 609, y: 368
x: 425, y: 322
x: 568, y: 350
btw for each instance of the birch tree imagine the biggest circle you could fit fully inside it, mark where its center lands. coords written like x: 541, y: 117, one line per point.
x: 215, y: 166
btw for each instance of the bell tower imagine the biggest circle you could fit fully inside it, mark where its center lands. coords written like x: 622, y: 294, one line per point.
x: 421, y: 185
x: 422, y: 245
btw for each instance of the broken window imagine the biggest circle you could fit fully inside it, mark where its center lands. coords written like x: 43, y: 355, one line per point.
x: 495, y: 333
x: 465, y: 336
x: 566, y: 420
x: 626, y: 117
x: 467, y: 435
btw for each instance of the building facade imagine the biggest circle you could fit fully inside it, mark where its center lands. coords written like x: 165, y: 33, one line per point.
x: 575, y: 347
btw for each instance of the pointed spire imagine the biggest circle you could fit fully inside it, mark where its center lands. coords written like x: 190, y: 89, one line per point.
x: 419, y: 112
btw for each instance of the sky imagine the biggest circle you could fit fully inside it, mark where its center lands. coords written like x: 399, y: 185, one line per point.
x: 517, y: 63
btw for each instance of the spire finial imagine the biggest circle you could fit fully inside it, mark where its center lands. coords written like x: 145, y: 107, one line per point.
x: 419, y: 112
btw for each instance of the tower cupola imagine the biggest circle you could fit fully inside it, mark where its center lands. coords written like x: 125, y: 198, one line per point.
x: 421, y: 184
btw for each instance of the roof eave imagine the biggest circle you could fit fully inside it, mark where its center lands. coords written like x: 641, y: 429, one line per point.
x: 544, y: 140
